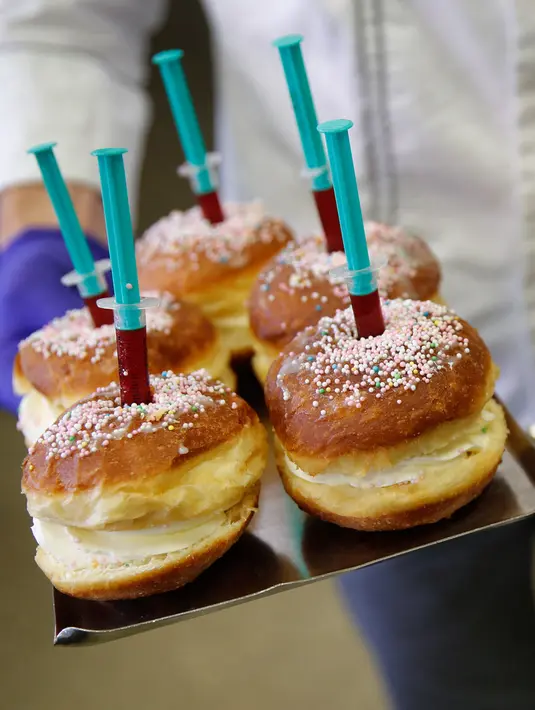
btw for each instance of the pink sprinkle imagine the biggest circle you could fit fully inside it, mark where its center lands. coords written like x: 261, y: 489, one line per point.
x: 74, y: 335
x: 94, y: 423
x: 419, y: 340
x: 188, y: 235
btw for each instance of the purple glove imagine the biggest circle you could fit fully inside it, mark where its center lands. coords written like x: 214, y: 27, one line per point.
x: 31, y: 294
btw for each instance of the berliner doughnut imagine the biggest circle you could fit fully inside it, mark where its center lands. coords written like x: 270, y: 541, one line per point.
x: 298, y: 286
x: 212, y: 265
x: 70, y: 358
x: 387, y: 432
x: 133, y: 500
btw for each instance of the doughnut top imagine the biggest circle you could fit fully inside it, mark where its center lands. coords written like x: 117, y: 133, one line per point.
x: 330, y: 393
x: 181, y: 251
x: 71, y: 356
x: 299, y: 287
x: 295, y: 291
x: 99, y: 442
x: 410, y: 268
x: 74, y: 334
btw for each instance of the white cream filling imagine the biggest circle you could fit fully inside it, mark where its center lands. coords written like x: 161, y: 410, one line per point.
x: 78, y: 547
x: 36, y: 414
x: 408, y: 470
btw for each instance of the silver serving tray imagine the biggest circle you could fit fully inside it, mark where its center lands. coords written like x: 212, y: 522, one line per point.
x: 285, y: 548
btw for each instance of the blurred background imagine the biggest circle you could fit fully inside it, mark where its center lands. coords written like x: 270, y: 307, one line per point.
x: 295, y: 650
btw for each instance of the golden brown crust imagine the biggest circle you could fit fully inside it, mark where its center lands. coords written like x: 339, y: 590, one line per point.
x: 148, y: 454
x: 452, y: 393
x: 21, y: 384
x: 174, y: 572
x: 424, y: 281
x: 394, y: 520
x: 278, y: 321
x: 437, y: 485
x: 263, y: 356
x: 277, y: 312
x: 184, y: 277
x: 66, y: 377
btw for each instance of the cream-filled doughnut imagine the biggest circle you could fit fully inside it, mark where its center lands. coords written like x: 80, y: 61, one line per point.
x: 387, y: 432
x: 133, y: 500
x: 69, y: 358
x: 299, y: 287
x: 212, y: 265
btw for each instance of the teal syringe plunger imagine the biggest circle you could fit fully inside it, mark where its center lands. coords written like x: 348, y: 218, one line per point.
x: 305, y: 112
x: 200, y: 165
x: 88, y: 275
x: 317, y: 167
x: 362, y: 282
x: 128, y: 306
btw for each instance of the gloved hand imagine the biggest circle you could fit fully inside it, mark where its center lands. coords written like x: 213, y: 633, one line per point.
x: 31, y: 294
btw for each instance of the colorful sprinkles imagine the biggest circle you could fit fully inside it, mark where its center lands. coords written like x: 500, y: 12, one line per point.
x: 421, y: 338
x: 188, y: 233
x: 74, y: 335
x: 308, y: 262
x: 179, y: 403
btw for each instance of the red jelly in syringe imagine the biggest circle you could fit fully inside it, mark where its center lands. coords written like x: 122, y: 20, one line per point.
x: 133, y: 366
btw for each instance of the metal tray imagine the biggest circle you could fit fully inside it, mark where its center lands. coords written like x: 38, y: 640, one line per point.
x: 285, y: 548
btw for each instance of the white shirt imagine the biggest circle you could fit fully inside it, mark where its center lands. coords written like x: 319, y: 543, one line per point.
x: 441, y: 93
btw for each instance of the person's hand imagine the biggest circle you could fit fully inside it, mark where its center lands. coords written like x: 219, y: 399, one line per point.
x: 31, y: 293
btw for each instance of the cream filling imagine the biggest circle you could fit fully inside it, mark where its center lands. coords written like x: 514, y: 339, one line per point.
x: 78, y: 547
x: 207, y: 483
x: 407, y: 470
x: 36, y: 414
